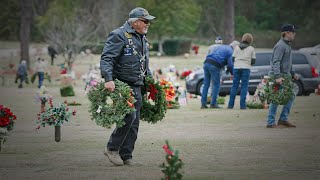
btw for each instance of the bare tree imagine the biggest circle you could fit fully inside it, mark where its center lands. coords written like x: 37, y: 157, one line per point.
x: 229, y: 20
x: 90, y: 22
x: 26, y: 19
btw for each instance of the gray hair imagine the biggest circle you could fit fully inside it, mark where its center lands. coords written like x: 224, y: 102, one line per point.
x: 131, y: 20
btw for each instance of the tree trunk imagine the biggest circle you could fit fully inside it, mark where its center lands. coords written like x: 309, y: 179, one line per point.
x: 160, y: 46
x: 229, y: 21
x: 26, y: 18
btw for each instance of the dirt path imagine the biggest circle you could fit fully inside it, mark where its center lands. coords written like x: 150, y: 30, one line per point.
x: 214, y: 144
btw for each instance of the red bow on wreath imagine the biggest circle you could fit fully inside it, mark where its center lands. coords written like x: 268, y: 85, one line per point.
x: 276, y: 87
x: 153, y: 92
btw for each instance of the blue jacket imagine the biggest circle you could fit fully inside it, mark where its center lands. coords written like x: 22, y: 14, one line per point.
x: 221, y: 56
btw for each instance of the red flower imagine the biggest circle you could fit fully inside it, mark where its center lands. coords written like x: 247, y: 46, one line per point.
x: 74, y: 112
x: 167, y: 150
x: 186, y: 73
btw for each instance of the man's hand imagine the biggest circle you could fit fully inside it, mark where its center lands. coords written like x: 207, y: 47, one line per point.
x: 296, y: 77
x: 279, y: 80
x: 109, y: 86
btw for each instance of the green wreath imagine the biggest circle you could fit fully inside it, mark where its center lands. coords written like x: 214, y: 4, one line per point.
x: 279, y: 93
x: 107, y: 107
x: 254, y: 105
x: 153, y: 111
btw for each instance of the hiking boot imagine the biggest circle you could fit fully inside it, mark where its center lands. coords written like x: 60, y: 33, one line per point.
x: 130, y: 162
x: 285, y: 123
x: 204, y: 107
x: 113, y: 156
x: 272, y: 126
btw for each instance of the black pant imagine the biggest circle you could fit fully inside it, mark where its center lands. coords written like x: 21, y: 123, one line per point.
x: 123, y: 139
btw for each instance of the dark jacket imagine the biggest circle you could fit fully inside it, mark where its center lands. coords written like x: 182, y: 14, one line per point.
x: 125, y: 56
x: 22, y: 69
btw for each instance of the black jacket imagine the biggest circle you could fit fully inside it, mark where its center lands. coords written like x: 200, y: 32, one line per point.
x: 125, y: 56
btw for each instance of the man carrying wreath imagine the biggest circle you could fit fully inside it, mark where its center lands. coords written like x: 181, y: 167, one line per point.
x: 126, y: 57
x: 281, y: 63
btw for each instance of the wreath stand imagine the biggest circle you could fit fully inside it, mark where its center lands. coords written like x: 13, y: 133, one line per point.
x: 1, y: 142
x: 57, y: 133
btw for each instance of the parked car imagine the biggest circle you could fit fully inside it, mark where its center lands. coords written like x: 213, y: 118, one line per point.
x: 304, y: 64
x: 314, y: 51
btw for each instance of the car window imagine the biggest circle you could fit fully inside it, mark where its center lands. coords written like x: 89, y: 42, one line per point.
x: 298, y: 58
x: 263, y: 59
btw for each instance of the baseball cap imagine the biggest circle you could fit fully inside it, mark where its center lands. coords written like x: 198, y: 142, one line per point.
x: 140, y: 12
x: 288, y: 27
x: 219, y: 38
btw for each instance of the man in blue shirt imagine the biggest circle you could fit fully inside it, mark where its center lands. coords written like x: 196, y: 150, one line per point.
x: 214, y: 63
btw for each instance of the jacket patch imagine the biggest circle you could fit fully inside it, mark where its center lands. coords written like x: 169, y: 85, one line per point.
x: 128, y: 35
x: 127, y: 51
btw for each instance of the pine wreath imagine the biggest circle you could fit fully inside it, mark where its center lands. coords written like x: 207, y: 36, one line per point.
x: 153, y: 111
x: 107, y: 107
x: 279, y: 93
x: 255, y: 105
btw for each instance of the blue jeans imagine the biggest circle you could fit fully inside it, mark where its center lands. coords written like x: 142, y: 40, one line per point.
x: 41, y: 78
x: 211, y: 73
x: 243, y: 75
x: 284, y: 114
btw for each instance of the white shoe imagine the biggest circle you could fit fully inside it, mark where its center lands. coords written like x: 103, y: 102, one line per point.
x: 130, y: 162
x: 114, y: 157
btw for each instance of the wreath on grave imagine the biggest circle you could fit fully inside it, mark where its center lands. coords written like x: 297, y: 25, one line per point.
x: 279, y: 93
x: 107, y: 107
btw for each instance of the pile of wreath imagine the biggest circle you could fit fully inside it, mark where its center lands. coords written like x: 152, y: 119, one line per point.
x: 108, y: 108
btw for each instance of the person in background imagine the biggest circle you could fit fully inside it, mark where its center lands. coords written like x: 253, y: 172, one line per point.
x: 244, y: 56
x: 52, y: 53
x: 213, y: 65
x: 217, y: 42
x: 40, y: 68
x: 281, y: 63
x: 22, y: 72
x: 125, y: 57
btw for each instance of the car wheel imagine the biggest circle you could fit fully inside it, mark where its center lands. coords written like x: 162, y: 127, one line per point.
x: 307, y: 93
x: 200, y: 87
x: 297, y: 88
